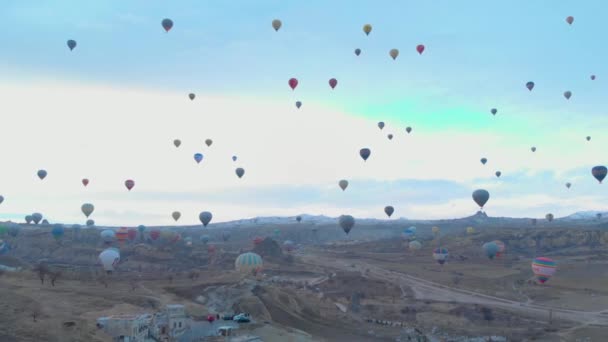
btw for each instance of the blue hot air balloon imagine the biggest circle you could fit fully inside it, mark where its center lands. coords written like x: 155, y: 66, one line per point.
x: 198, y: 157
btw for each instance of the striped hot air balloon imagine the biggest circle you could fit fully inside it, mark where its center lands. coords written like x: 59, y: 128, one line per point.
x: 122, y: 235
x: 248, y: 262
x: 544, y: 268
x: 440, y: 255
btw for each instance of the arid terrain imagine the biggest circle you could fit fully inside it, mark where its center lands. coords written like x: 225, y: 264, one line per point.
x: 365, y: 286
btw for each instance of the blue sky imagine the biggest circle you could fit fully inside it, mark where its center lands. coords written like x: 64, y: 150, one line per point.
x: 478, y: 56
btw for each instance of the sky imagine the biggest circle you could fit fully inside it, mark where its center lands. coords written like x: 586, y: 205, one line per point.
x: 110, y: 109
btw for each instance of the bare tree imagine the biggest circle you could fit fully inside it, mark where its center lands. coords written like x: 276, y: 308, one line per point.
x: 34, y: 315
x: 42, y: 270
x: 54, y: 276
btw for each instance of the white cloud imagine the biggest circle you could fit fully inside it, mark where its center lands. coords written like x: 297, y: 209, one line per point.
x: 111, y: 134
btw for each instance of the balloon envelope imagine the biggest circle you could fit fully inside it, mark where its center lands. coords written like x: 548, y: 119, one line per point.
x: 41, y: 174
x: 191, y: 96
x: 420, y: 48
x: 129, y: 183
x: 530, y: 85
x: 483, y: 161
x: 544, y: 268
x: 415, y: 245
x: 176, y: 215
x: 567, y: 95
x: 293, y: 83
x: 364, y: 153
x: 599, y: 172
x: 276, y: 24
x: 109, y: 259
x: 240, y: 172
x: 570, y: 20
x: 198, y: 157
x: 108, y: 236
x: 298, y: 104
x: 346, y: 222
x: 549, y: 217
x: 394, y: 53
x: 333, y: 83
x: 389, y: 210
x: 208, y: 142
x: 71, y: 44
x: 493, y: 111
x: 367, y: 28
x: 87, y: 209
x: 481, y: 197
x: 167, y: 24
x: 248, y: 262
x: 343, y: 184
x: 408, y: 129
x: 381, y: 125
x: 357, y: 52
x: 205, y: 217
x: 85, y: 182
x: 440, y: 255
x: 490, y: 249
x: 177, y: 142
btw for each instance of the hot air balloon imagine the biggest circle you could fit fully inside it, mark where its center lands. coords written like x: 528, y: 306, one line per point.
x: 483, y: 161
x: 409, y: 233
x: 276, y: 24
x: 258, y: 239
x: 293, y: 83
x: 367, y: 28
x: 192, y: 96
x: 132, y: 234
x: 390, y: 137
x: 599, y: 172
x: 593, y: 77
x: 109, y: 259
x: 85, y: 182
x: 28, y: 219
x: 415, y: 245
x: 204, y: 238
x: 408, y: 130
x: 13, y: 230
x: 205, y: 217
x: 299, y: 218
x: 501, y: 247
x: 549, y: 217
x: 122, y: 234
x: 177, y: 142
x: 71, y: 44
x: 346, y: 222
x: 240, y: 172
x: 493, y: 111
x: 198, y: 157
x: 498, y: 173
x: 533, y: 149
x: 490, y: 249
x: 57, y: 232
x: 440, y: 255
x: 470, y: 230
x: 208, y: 142
x: 298, y: 104
x: 188, y: 241
x: 420, y: 48
x: 129, y: 183
x: 567, y: 94
x: 176, y: 215
x: 481, y: 197
x: 90, y: 223
x: 333, y: 83
x: 381, y: 125
x: 568, y: 185
x: 394, y: 53
x: 4, y: 247
x: 141, y: 229
x: 530, y: 85
x: 87, y: 209
x: 41, y: 174
x: 234, y: 158
x: 364, y: 153
x: 36, y: 217
x: 389, y: 210
x: 107, y: 236
x: 167, y: 24
x: 343, y: 184
x: 570, y: 20
x: 544, y: 268
x: 154, y: 234
x: 588, y: 138
x: 435, y: 230
x: 289, y: 245
x: 248, y: 262
x: 357, y: 52
x: 1, y: 199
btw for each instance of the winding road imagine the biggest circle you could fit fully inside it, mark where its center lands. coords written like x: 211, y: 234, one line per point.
x: 428, y: 290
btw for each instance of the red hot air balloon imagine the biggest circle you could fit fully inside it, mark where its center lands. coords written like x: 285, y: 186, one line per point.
x: 333, y: 83
x: 85, y: 181
x: 154, y: 235
x: 293, y: 83
x: 122, y: 234
x: 420, y: 48
x: 132, y: 234
x: 129, y: 183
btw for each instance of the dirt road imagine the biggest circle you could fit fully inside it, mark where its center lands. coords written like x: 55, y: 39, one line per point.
x: 427, y: 290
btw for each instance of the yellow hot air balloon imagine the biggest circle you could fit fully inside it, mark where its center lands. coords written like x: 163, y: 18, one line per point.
x: 394, y: 53
x: 367, y: 28
x: 435, y: 230
x: 470, y: 230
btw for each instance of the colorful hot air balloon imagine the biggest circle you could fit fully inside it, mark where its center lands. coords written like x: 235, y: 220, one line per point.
x: 198, y: 157
x: 420, y: 48
x: 176, y: 215
x: 501, y: 247
x: 167, y: 24
x: 367, y: 28
x: 364, y: 153
x: 599, y: 172
x: 293, y: 83
x: 240, y: 172
x: 567, y: 94
x: 132, y: 234
x: 409, y: 233
x: 415, y: 245
x: 381, y: 125
x: 205, y: 217
x: 298, y: 104
x: 41, y: 174
x: 71, y: 44
x: 248, y: 262
x: 394, y: 53
x: 333, y: 83
x: 389, y: 210
x: 483, y: 161
x: 191, y: 96
x: 357, y: 52
x: 481, y: 197
x: 440, y: 255
x: 289, y: 245
x: 87, y: 209
x: 490, y: 249
x: 85, y: 182
x: 343, y: 184
x: 122, y: 235
x: 544, y: 268
x: 530, y: 85
x: 177, y: 142
x: 276, y: 24
x: 109, y: 259
x: 347, y: 222
x: 570, y: 20
x: 129, y: 183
